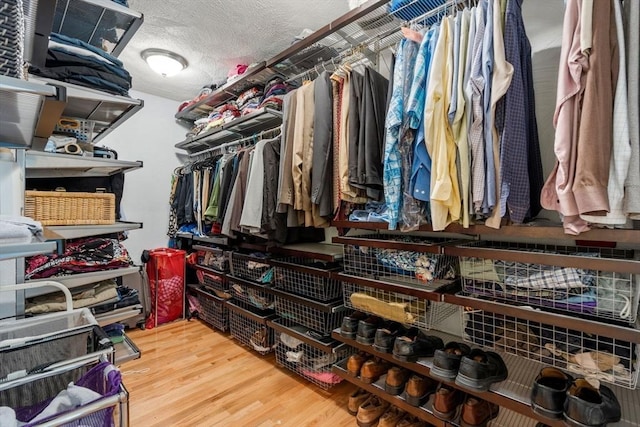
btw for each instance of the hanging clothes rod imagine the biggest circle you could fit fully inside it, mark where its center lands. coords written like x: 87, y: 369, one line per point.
x: 257, y: 136
x: 372, y: 45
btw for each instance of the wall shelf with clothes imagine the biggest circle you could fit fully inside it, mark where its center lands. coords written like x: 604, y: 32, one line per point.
x: 41, y: 164
x: 255, y: 122
x: 303, y: 54
x: 21, y: 250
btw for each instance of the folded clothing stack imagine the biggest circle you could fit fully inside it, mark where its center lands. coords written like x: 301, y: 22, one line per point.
x: 18, y: 229
x: 74, y: 61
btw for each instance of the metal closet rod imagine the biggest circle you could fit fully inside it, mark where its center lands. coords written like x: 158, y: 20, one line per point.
x: 257, y: 136
x: 365, y: 46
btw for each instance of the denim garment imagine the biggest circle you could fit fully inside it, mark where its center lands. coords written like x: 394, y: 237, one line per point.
x: 98, y: 83
x: 72, y: 59
x: 61, y: 38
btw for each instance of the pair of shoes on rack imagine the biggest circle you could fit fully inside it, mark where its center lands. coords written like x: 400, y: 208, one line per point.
x: 367, y: 367
x: 451, y: 403
x: 558, y: 395
x: 475, y: 369
x: 414, y: 344
x: 417, y: 389
x: 370, y: 409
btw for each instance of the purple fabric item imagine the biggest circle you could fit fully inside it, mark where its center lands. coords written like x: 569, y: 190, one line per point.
x: 94, y: 380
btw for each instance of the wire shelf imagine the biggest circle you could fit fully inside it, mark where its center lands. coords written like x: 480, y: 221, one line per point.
x: 249, y: 327
x: 309, y: 362
x: 250, y: 293
x: 251, y: 267
x: 214, y: 281
x: 308, y: 278
x: 321, y: 318
x: 404, y: 259
x: 607, y: 359
x: 211, y: 310
x: 210, y: 257
x: 567, y: 278
x: 389, y: 305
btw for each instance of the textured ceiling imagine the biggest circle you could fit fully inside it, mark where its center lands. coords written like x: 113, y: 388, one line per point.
x: 215, y: 35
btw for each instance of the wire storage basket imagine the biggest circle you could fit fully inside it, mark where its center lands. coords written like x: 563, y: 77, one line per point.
x: 253, y: 267
x: 587, y: 280
x: 399, y: 307
x: 211, y: 309
x: 26, y: 344
x: 250, y: 327
x: 322, y: 318
x: 593, y: 356
x: 307, y: 277
x: 213, y: 280
x: 404, y: 259
x: 102, y: 379
x: 213, y: 258
x: 311, y: 359
x: 250, y: 293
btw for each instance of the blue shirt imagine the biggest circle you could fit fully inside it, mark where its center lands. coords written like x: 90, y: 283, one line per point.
x: 420, y: 184
x: 487, y: 72
x: 392, y: 168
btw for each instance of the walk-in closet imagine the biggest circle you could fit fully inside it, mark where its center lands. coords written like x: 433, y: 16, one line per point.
x: 391, y: 213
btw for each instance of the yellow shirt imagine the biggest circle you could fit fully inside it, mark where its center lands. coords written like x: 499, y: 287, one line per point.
x: 445, y: 194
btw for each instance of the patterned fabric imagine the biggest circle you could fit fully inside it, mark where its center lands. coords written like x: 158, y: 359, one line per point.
x: 476, y: 134
x: 81, y: 256
x: 392, y: 170
x: 519, y: 135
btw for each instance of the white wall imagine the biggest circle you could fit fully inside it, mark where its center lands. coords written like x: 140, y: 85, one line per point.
x: 149, y: 136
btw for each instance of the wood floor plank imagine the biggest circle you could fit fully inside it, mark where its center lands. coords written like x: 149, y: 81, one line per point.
x: 191, y: 375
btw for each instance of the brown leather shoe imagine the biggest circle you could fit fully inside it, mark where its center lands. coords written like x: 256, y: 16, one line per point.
x: 372, y: 369
x: 356, y: 399
x: 391, y: 417
x: 355, y: 363
x: 396, y: 379
x: 370, y: 411
x: 446, y: 404
x: 418, y: 389
x: 411, y: 421
x: 477, y: 412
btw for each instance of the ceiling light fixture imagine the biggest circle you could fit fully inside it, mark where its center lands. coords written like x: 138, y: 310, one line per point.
x: 164, y: 62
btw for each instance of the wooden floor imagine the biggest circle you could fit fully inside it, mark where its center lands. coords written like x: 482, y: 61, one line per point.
x: 191, y: 375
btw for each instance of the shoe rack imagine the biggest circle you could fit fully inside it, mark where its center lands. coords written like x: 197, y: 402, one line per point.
x: 431, y: 302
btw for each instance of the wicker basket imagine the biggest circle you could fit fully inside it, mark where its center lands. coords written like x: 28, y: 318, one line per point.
x: 62, y: 208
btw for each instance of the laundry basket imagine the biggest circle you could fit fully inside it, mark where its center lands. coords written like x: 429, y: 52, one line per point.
x: 102, y: 389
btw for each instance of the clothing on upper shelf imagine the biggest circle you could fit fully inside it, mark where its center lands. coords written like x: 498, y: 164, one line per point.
x: 74, y: 61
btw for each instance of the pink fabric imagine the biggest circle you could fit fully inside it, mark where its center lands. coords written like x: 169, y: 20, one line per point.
x: 557, y: 193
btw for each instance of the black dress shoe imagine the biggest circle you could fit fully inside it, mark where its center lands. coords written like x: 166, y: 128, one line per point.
x: 415, y: 344
x: 386, y: 335
x: 446, y: 361
x: 549, y: 392
x: 587, y: 406
x: 367, y: 329
x: 349, y: 325
x: 479, y: 369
